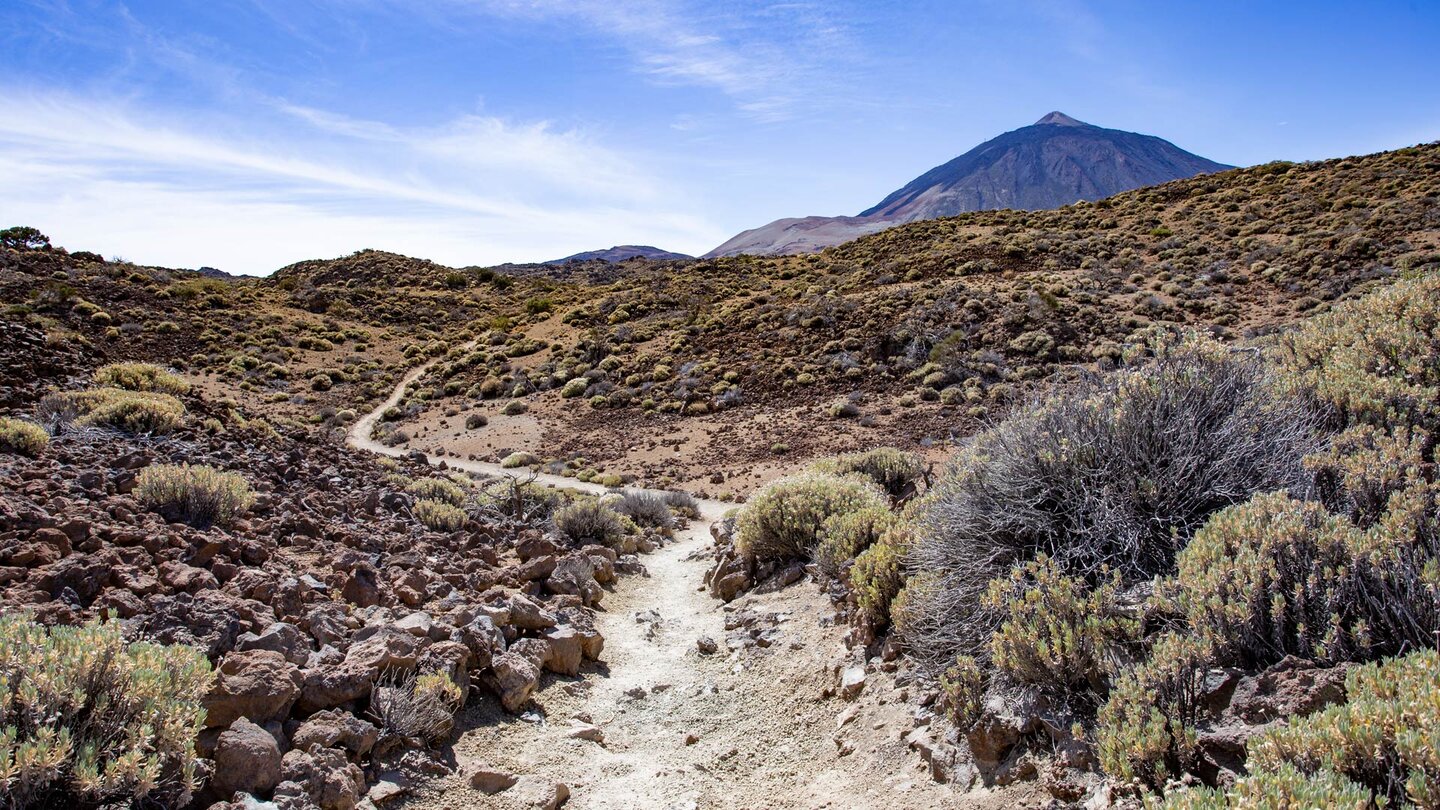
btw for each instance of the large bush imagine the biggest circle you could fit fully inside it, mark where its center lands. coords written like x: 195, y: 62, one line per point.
x: 846, y: 535
x: 1114, y: 475
x: 438, y: 489
x: 438, y: 515
x: 646, y: 509
x: 87, y: 720
x: 199, y: 495
x: 786, y: 519
x: 878, y: 575
x: 589, y: 522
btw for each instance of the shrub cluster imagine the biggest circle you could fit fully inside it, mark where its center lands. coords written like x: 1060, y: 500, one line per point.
x: 415, y: 706
x: 87, y: 720
x: 846, y: 535
x: 199, y: 495
x: 24, y: 438
x: 897, y: 472
x: 128, y: 411
x: 1113, y: 475
x: 647, y: 509
x: 141, y: 377
x: 878, y: 575
x: 438, y: 489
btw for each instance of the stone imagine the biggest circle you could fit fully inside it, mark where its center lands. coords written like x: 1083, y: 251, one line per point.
x: 258, y: 684
x: 706, y: 645
x: 540, y: 794
x: 337, y: 729
x: 416, y: 624
x: 280, y: 637
x: 514, y: 678
x: 326, y: 776
x: 566, y: 651
x: 527, y: 615
x: 486, y: 779
x: 586, y: 731
x: 247, y: 759
x: 852, y: 682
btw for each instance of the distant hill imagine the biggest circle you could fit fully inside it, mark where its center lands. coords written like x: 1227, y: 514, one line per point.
x: 1053, y: 162
x: 620, y: 253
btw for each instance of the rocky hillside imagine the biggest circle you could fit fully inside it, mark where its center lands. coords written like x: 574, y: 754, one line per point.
x: 621, y: 253
x: 1055, y: 161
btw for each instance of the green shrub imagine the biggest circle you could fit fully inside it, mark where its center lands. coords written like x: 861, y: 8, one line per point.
x: 24, y: 438
x: 1056, y: 631
x: 878, y: 575
x: 520, y: 459
x: 575, y: 388
x: 786, y: 519
x: 846, y: 535
x: 897, y: 472
x: 1285, y: 788
x: 198, y: 495
x: 1118, y: 473
x: 475, y: 421
x: 515, y: 407
x: 588, y: 522
x: 1385, y: 737
x: 1276, y: 577
x: 844, y: 409
x: 129, y: 411
x: 438, y: 515
x: 438, y: 489
x: 1146, y: 729
x: 963, y: 687
x: 87, y: 720
x: 141, y: 377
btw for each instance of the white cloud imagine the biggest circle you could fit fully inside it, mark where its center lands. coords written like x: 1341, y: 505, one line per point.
x: 120, y: 179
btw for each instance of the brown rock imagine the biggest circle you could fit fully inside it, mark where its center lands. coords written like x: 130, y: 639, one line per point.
x: 486, y: 779
x: 325, y: 776
x: 336, y: 729
x: 258, y: 684
x: 247, y: 759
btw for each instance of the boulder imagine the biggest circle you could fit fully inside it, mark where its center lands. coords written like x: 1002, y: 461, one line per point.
x: 514, y: 678
x: 258, y: 684
x: 325, y: 775
x: 247, y: 759
x: 527, y: 615
x: 336, y: 729
x: 280, y: 637
x: 566, y: 651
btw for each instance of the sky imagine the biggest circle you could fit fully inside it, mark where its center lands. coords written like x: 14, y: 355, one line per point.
x: 249, y: 134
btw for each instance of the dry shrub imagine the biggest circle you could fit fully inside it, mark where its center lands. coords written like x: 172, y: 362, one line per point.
x: 1113, y: 475
x: 846, y: 535
x: 438, y: 515
x: 24, y: 438
x: 786, y: 519
x: 589, y: 522
x: 414, y: 706
x: 128, y: 411
x: 87, y: 720
x: 199, y: 495
x: 141, y: 377
x: 683, y: 504
x: 647, y: 509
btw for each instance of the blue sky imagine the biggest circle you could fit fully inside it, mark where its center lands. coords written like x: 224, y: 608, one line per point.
x: 247, y: 134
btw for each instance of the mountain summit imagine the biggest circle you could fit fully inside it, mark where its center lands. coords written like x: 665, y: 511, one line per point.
x: 1056, y: 161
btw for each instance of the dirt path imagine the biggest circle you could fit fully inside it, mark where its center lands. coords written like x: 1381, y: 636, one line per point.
x: 754, y: 724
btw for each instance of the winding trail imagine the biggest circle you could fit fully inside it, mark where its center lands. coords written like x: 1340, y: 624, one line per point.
x: 746, y: 726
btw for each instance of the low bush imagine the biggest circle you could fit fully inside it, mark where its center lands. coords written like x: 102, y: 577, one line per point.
x: 515, y: 407
x: 199, y: 495
x: 141, y: 377
x: 683, y: 503
x: 786, y: 519
x: 87, y: 720
x: 1146, y: 731
x: 24, y: 438
x: 1276, y: 577
x: 1057, y: 632
x: 1381, y: 747
x: 575, y: 388
x: 438, y: 489
x: 588, y: 522
x: 414, y: 706
x: 844, y: 536
x: 438, y: 515
x: 1115, y: 474
x: 878, y: 575
x: 475, y: 421
x: 520, y: 459
x: 647, y: 509
x: 897, y: 472
x: 128, y: 411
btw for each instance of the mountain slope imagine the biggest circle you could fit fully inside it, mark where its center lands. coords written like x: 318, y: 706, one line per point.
x: 1053, y: 162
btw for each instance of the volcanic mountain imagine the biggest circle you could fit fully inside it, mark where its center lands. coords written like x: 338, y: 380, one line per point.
x: 1053, y: 162
x: 620, y: 253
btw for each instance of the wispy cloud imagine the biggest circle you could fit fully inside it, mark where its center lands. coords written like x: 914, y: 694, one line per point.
x: 474, y: 190
x: 771, y: 61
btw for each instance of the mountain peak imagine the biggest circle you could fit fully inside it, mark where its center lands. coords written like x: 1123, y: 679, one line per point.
x: 1060, y: 119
